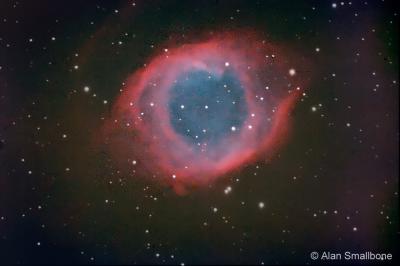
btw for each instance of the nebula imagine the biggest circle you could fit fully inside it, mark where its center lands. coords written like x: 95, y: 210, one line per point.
x: 202, y: 109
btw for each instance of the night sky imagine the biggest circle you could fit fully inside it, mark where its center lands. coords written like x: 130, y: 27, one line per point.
x: 198, y: 132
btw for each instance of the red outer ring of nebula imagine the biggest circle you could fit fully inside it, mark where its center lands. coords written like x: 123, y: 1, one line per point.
x: 163, y: 152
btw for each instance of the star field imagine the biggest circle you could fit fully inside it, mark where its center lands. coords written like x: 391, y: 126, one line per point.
x: 198, y: 132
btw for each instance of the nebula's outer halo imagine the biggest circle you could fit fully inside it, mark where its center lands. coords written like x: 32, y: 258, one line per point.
x: 201, y: 110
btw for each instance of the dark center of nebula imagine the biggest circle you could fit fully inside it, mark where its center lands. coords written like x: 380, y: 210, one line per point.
x: 205, y: 108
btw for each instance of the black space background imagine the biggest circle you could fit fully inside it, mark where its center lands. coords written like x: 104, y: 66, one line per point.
x: 336, y: 167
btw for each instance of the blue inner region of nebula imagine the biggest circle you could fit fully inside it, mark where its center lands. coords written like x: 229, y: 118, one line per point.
x: 205, y: 108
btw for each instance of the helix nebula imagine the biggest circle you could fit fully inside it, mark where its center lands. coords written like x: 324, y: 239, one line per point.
x: 203, y: 109
x: 199, y: 132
